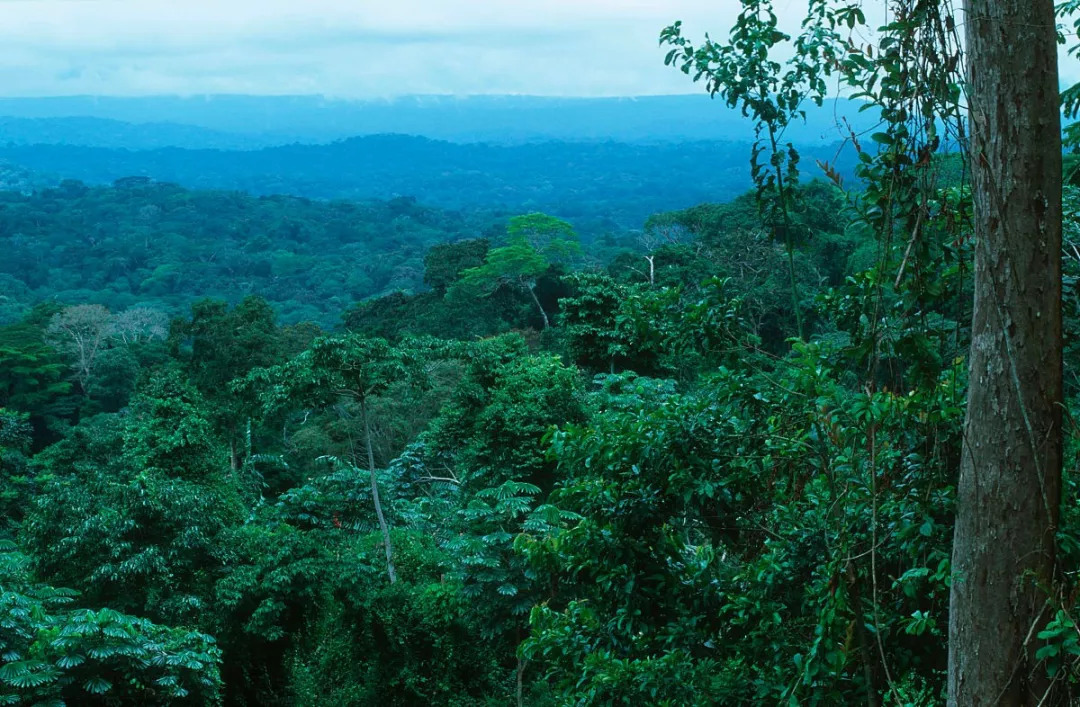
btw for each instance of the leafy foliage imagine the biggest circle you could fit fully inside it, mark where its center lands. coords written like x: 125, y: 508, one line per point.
x: 712, y: 463
x: 142, y: 243
x: 51, y: 653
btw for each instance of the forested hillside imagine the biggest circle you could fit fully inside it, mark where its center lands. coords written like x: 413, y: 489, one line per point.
x: 100, y: 132
x: 157, y: 244
x: 598, y: 185
x: 558, y: 424
x: 255, y: 447
x: 280, y: 120
x: 652, y: 491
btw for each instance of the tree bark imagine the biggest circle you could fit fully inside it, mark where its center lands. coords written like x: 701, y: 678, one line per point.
x: 865, y: 653
x: 375, y: 496
x: 543, y: 314
x: 1010, y: 474
x: 519, y: 681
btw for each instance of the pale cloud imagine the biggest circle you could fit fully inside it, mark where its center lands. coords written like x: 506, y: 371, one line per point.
x: 349, y: 49
x: 357, y: 48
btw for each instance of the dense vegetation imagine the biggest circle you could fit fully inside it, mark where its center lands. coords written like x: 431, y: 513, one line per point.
x: 600, y: 186
x: 141, y: 243
x: 212, y: 474
x: 802, y: 447
x: 653, y: 499
x: 530, y: 478
x: 163, y: 246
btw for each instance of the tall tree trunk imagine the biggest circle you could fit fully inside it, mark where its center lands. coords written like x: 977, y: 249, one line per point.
x: 1010, y: 473
x: 375, y: 495
x: 866, y: 655
x: 519, y: 681
x: 543, y: 314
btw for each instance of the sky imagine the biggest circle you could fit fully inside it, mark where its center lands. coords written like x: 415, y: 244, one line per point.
x: 353, y: 48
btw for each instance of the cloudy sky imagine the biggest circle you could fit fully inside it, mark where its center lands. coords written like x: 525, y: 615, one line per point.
x: 351, y: 48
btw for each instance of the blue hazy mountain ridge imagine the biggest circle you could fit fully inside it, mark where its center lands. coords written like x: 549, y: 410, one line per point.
x: 104, y: 132
x: 275, y: 120
x: 596, y: 185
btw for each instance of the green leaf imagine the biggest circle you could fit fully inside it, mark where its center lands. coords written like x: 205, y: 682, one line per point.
x: 97, y: 686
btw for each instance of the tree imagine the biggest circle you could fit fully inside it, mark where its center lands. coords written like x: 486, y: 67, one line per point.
x: 661, y: 229
x: 1009, y: 491
x: 140, y: 324
x: 129, y: 507
x: 444, y: 262
x: 546, y: 234
x: 335, y: 372
x: 31, y: 372
x: 226, y: 344
x: 495, y: 424
x: 589, y: 319
x: 15, y: 438
x: 517, y: 265
x: 491, y: 570
x: 1010, y: 475
x: 82, y: 333
x: 536, y: 242
x: 53, y: 654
